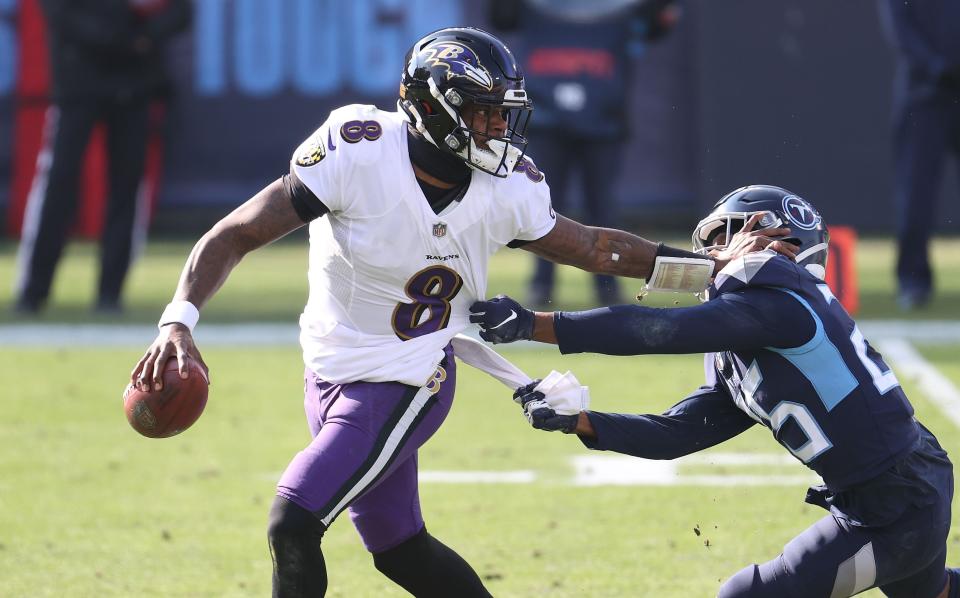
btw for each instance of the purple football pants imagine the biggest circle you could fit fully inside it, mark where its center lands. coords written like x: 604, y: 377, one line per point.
x: 363, y: 456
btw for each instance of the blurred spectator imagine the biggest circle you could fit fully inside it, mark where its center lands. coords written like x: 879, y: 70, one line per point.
x: 107, y: 65
x: 926, y: 35
x: 576, y: 57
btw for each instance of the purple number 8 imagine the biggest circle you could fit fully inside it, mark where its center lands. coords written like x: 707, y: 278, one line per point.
x: 527, y: 167
x: 354, y: 131
x: 431, y: 289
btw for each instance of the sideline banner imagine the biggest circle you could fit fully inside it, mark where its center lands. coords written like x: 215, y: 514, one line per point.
x: 254, y: 78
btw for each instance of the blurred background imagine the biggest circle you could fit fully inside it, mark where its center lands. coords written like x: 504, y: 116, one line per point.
x: 796, y: 93
x: 793, y: 93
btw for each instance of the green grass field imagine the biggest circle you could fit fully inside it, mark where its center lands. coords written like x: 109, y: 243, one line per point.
x: 271, y: 285
x: 88, y: 508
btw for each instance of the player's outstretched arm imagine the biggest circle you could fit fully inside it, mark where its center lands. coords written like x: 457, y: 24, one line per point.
x: 617, y: 252
x: 596, y: 249
x: 704, y: 419
x: 767, y: 318
x: 264, y: 218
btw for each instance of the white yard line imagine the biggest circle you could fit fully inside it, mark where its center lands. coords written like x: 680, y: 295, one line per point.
x: 478, y: 477
x: 927, y: 332
x: 618, y: 470
x: 711, y: 458
x: 909, y: 363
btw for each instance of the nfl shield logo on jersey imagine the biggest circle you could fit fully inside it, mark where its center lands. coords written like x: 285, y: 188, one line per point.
x: 439, y: 229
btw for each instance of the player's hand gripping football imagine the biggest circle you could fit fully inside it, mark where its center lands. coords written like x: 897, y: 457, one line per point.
x: 502, y: 320
x: 540, y: 413
x: 173, y: 339
x: 748, y: 240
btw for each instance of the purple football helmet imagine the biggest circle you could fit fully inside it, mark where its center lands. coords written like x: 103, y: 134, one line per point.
x: 459, y: 69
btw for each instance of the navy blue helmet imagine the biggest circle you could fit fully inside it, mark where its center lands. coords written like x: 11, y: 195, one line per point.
x: 779, y: 208
x: 458, y: 67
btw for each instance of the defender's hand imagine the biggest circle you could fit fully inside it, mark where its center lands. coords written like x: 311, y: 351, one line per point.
x: 540, y: 414
x: 502, y: 320
x: 173, y: 340
x: 748, y: 240
x: 525, y: 390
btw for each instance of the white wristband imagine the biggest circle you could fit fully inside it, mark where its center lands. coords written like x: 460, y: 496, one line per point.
x: 680, y: 274
x: 181, y: 312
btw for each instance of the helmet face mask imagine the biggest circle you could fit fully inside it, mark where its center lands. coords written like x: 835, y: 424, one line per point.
x: 779, y: 208
x: 716, y: 230
x: 464, y: 92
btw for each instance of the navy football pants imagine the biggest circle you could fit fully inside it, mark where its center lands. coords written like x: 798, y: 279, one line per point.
x: 834, y: 559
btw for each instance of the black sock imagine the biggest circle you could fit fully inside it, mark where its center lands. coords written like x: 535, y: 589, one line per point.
x: 954, y: 576
x: 298, y: 567
x: 427, y: 568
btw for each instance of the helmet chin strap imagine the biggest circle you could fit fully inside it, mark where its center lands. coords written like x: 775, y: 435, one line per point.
x: 417, y: 121
x: 815, y: 269
x: 810, y: 251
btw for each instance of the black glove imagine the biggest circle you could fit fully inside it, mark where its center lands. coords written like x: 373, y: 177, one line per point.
x: 502, y: 320
x: 539, y: 412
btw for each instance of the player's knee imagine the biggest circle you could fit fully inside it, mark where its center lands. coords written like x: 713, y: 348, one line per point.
x: 298, y: 566
x: 757, y: 581
x: 742, y: 583
x: 292, y: 526
x: 427, y: 568
x: 399, y: 559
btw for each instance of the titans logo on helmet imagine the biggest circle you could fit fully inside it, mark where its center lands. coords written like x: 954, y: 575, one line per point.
x: 800, y: 213
x: 459, y: 60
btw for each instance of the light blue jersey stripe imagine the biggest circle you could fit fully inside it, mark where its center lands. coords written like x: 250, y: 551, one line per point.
x: 820, y: 362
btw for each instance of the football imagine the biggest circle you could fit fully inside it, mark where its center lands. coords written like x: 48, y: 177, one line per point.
x: 170, y: 410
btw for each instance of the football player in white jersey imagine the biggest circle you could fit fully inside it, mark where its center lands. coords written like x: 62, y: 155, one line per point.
x: 405, y: 210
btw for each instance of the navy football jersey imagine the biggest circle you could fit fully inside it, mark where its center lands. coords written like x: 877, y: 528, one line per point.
x: 781, y: 350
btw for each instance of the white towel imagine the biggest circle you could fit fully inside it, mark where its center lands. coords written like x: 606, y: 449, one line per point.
x: 475, y: 353
x: 564, y: 393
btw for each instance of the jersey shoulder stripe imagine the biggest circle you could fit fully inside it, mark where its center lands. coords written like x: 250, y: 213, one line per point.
x: 761, y: 269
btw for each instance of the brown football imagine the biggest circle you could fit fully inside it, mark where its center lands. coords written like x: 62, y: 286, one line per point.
x: 170, y: 410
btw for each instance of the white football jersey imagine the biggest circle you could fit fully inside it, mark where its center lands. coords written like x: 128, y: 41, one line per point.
x: 390, y: 280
